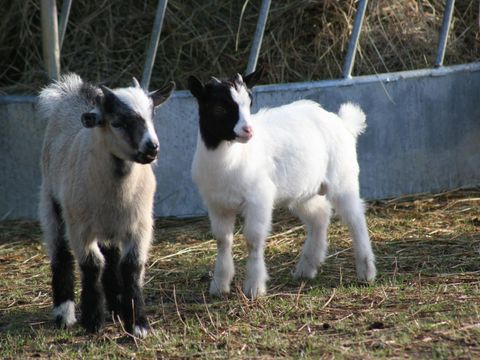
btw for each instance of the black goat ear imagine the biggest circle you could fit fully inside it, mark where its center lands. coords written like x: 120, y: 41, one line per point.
x: 107, y: 91
x: 252, y: 79
x: 161, y: 95
x: 108, y: 99
x: 195, y: 86
x: 92, y: 119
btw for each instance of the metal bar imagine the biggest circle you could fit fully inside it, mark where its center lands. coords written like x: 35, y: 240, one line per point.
x: 64, y: 15
x: 442, y: 44
x: 309, y: 85
x: 258, y: 37
x: 353, y: 44
x: 385, y: 78
x: 51, y: 51
x: 152, y: 49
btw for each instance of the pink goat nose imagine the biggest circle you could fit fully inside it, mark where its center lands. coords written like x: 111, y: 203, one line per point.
x: 248, y: 129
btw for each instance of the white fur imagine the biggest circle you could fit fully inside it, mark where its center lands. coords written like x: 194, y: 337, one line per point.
x: 66, y: 311
x: 149, y: 136
x: 141, y: 104
x: 136, y: 99
x: 240, y: 96
x: 298, y: 152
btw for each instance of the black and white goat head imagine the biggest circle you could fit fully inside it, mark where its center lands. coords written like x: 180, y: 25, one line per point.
x: 224, y: 108
x: 126, y: 118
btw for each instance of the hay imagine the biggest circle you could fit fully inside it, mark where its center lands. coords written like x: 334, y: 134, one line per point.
x: 304, y: 39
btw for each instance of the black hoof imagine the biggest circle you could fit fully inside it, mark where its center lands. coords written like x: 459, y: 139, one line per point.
x: 93, y: 323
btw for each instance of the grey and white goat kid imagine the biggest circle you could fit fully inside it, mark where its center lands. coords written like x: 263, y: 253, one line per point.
x: 96, y: 199
x: 298, y: 156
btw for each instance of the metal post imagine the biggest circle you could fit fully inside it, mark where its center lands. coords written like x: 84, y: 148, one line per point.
x: 64, y: 14
x: 51, y: 51
x: 258, y: 37
x: 442, y: 44
x: 152, y: 49
x: 353, y: 44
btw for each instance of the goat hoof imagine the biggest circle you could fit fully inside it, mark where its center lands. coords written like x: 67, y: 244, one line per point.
x: 93, y: 324
x: 217, y: 289
x: 140, y: 331
x: 305, y: 270
x: 65, y: 315
x: 254, y: 289
x: 366, y: 270
x: 94, y: 320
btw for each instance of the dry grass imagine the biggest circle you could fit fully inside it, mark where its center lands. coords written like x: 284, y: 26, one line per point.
x: 425, y: 303
x: 304, y: 40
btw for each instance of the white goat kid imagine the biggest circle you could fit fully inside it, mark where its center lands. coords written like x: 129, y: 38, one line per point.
x: 96, y: 197
x: 298, y: 156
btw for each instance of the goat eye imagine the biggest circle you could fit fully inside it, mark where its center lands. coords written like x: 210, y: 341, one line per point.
x: 117, y: 124
x: 219, y: 110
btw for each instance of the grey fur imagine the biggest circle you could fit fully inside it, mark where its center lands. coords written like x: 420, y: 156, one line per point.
x: 80, y: 172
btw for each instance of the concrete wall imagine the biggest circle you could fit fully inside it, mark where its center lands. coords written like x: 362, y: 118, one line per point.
x: 423, y: 135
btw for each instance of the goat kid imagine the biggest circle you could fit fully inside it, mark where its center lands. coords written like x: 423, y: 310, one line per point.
x: 96, y: 197
x: 298, y: 156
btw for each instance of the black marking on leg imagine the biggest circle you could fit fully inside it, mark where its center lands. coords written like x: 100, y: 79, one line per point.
x: 132, y: 298
x: 92, y: 299
x: 62, y: 266
x: 111, y: 278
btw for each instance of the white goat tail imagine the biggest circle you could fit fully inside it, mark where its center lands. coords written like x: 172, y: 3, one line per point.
x: 353, y: 118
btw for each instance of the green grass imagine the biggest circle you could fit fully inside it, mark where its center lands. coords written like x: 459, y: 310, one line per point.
x: 424, y: 304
